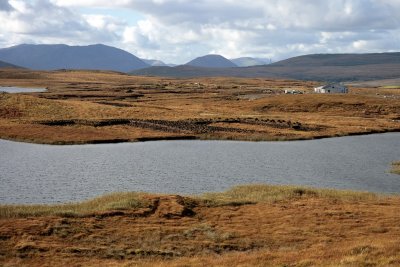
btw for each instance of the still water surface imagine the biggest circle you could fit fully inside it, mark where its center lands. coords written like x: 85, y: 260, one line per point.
x: 32, y: 173
x: 14, y: 90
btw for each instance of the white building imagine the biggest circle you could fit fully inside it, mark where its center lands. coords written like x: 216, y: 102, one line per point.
x: 293, y: 92
x: 332, y: 88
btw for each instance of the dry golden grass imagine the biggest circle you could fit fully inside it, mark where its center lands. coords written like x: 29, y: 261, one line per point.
x: 395, y: 167
x: 85, y: 95
x: 115, y: 201
x: 272, y: 194
x: 255, y: 225
x: 238, y: 195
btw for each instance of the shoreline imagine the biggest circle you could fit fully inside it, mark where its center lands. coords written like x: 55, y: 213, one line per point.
x: 194, y: 138
x: 267, y: 192
x: 328, y: 191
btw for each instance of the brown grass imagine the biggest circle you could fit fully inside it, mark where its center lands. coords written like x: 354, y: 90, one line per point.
x: 238, y: 195
x: 255, y: 225
x: 84, y: 95
x: 395, y: 167
x: 271, y: 194
x: 115, y: 201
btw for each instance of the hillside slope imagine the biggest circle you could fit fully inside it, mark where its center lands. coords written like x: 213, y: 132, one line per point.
x: 333, y: 67
x: 52, y: 57
x: 7, y: 65
x: 318, y: 60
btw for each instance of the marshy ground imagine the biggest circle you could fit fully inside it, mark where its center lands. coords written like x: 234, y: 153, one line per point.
x: 255, y: 225
x: 90, y: 107
x: 245, y: 226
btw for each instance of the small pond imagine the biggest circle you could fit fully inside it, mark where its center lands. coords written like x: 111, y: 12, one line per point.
x: 14, y: 90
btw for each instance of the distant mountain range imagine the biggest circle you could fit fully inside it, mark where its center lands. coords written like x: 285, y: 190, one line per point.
x: 52, y: 57
x: 218, y: 61
x: 214, y: 61
x: 211, y: 61
x: 320, y: 67
x: 342, y: 60
x: 154, y: 62
x: 249, y: 61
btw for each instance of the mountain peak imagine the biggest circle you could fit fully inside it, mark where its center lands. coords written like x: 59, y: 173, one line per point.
x: 61, y: 56
x: 212, y: 61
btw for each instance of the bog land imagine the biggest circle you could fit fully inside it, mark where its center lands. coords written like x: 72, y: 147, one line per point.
x: 97, y: 106
x: 255, y: 225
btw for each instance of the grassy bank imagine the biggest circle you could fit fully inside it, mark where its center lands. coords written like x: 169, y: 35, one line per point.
x: 251, y: 225
x: 395, y: 167
x: 276, y: 193
x: 238, y: 195
x: 391, y: 87
x: 115, y: 201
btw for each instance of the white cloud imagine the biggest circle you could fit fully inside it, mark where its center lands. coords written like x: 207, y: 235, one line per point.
x: 91, y: 3
x: 107, y: 24
x: 42, y: 22
x: 178, y: 30
x: 276, y: 29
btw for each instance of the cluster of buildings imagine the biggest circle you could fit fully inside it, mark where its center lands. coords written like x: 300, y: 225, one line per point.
x: 332, y: 88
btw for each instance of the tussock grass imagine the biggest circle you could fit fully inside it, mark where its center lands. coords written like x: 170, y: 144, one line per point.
x: 391, y: 87
x: 238, y: 195
x: 244, y: 194
x: 115, y: 201
x: 80, y: 95
x: 395, y: 167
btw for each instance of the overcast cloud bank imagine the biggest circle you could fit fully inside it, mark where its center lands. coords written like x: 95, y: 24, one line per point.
x: 180, y: 30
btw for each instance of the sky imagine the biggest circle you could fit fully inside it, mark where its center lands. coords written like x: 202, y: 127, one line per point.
x: 176, y: 31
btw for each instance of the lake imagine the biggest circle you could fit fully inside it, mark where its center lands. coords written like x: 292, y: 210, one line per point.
x: 14, y: 90
x: 33, y: 173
